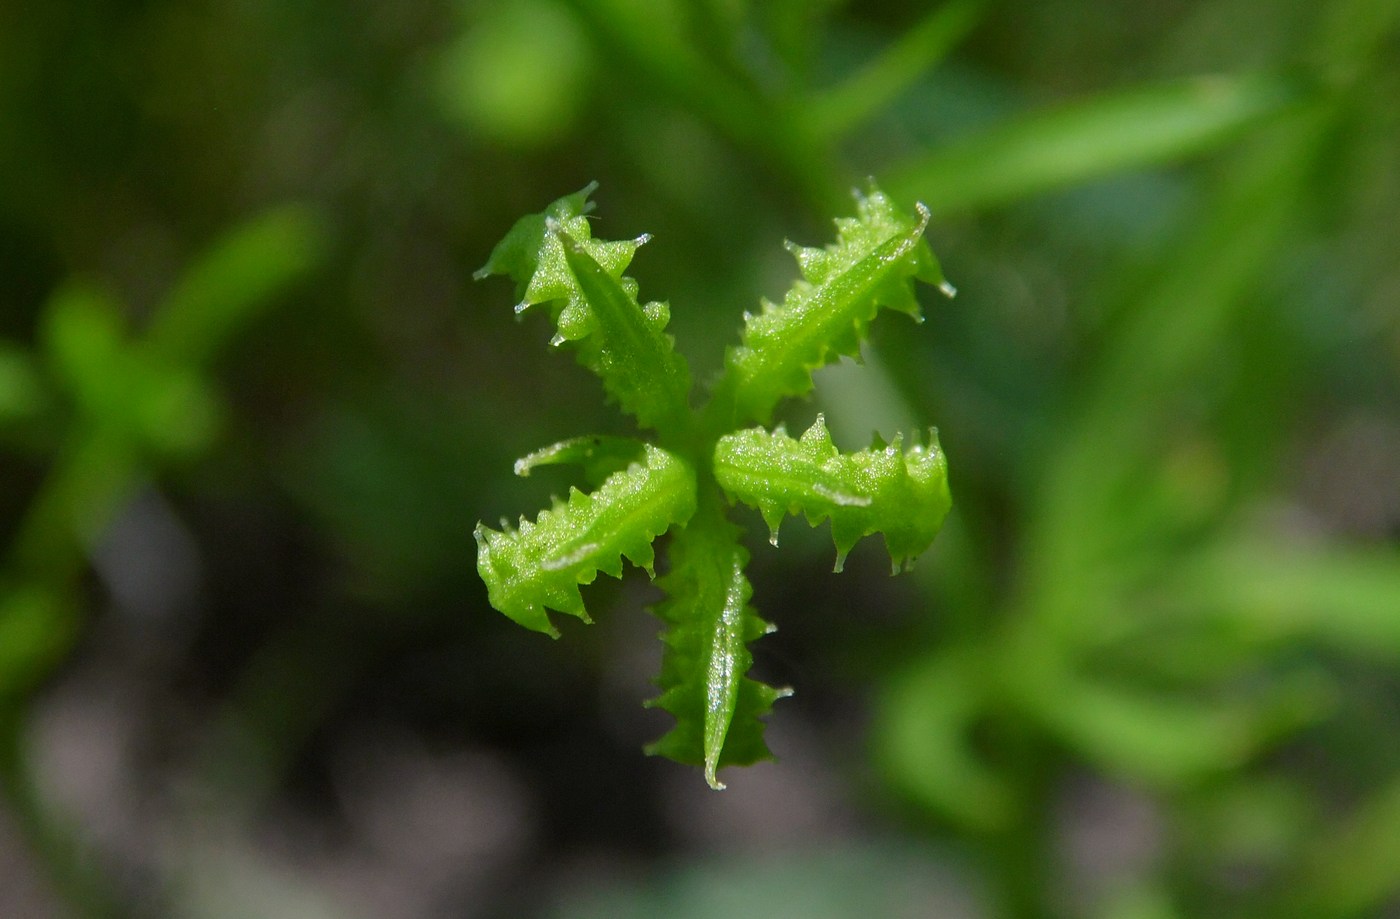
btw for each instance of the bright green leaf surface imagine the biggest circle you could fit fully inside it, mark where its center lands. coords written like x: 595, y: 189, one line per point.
x: 901, y: 493
x: 709, y: 625
x: 599, y: 456
x: 553, y: 259
x: 541, y: 563
x: 872, y: 264
x: 538, y: 567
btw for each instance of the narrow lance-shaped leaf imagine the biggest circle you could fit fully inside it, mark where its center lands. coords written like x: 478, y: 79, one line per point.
x: 1081, y: 141
x: 827, y: 312
x: 901, y: 493
x: 553, y: 259
x: 632, y: 354
x: 541, y: 564
x: 233, y: 281
x: 709, y: 626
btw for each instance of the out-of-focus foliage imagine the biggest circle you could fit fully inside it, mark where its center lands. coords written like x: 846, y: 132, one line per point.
x: 1150, y: 668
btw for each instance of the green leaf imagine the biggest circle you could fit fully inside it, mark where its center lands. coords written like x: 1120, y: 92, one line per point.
x: 599, y: 455
x: 635, y: 358
x: 1085, y: 140
x: 924, y: 740
x: 646, y: 490
x: 901, y: 493
x: 1354, y: 870
x: 84, y: 336
x: 541, y: 564
x: 166, y: 407
x: 1168, y: 739
x: 709, y: 626
x: 36, y: 628
x: 21, y: 390
x: 1343, y: 598
x: 919, y: 49
x: 233, y: 281
x: 827, y: 312
x: 531, y: 255
x: 553, y: 259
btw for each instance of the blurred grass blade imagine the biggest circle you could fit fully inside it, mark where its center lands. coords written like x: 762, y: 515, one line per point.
x: 36, y: 628
x: 235, y: 278
x: 1175, y: 320
x: 83, y: 334
x: 1167, y: 740
x: 21, y: 391
x: 1348, y: 599
x: 841, y: 108
x: 1086, y: 140
x: 1354, y: 871
x: 923, y: 742
x: 650, y: 37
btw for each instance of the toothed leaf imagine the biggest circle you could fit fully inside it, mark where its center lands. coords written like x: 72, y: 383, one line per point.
x: 599, y: 455
x: 709, y: 626
x: 827, y: 312
x: 900, y: 493
x: 540, y: 564
x: 643, y: 490
x: 553, y: 259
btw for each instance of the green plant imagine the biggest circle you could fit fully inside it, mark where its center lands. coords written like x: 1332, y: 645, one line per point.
x: 706, y: 456
x: 113, y: 408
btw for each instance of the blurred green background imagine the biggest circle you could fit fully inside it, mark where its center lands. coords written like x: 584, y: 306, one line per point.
x: 252, y: 405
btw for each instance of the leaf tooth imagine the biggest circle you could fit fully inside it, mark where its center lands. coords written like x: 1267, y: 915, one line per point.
x: 883, y: 489
x: 817, y: 434
x: 643, y: 556
x: 658, y: 313
x: 773, y: 514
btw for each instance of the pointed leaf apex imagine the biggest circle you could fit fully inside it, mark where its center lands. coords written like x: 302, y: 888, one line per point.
x: 711, y: 779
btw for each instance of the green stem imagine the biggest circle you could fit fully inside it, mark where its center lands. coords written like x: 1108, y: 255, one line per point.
x: 1020, y: 856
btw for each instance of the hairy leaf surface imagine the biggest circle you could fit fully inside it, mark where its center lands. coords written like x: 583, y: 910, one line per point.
x: 901, y: 493
x: 553, y: 259
x: 709, y: 626
x: 540, y: 564
x: 826, y: 313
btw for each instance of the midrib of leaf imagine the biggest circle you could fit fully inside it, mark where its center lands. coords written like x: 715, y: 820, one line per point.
x: 638, y: 363
x: 541, y: 564
x: 709, y: 626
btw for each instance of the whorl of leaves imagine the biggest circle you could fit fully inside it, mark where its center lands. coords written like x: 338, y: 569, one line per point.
x: 642, y: 490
